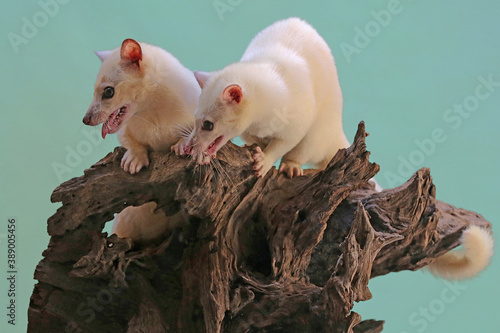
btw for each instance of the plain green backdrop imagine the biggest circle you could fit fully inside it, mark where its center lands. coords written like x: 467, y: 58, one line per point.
x: 405, y: 67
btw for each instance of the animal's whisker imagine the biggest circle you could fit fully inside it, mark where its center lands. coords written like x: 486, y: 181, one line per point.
x: 184, y: 135
x: 187, y: 124
x: 217, y: 162
x: 200, y: 167
x: 183, y: 130
x: 217, y: 170
x: 187, y: 128
x: 147, y: 121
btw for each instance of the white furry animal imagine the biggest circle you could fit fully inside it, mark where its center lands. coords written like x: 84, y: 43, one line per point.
x: 466, y: 263
x: 283, y: 94
x: 143, y: 224
x: 148, y: 97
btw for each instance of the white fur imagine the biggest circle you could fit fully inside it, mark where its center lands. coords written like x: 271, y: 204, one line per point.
x: 292, y: 102
x: 466, y: 263
x: 161, y: 95
x: 143, y: 224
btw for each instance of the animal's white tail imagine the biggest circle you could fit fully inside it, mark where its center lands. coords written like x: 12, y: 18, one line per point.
x: 466, y: 263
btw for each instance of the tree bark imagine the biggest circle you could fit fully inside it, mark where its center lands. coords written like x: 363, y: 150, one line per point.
x: 256, y: 255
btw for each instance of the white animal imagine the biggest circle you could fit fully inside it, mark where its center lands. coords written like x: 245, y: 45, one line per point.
x: 143, y: 224
x: 148, y: 97
x: 283, y: 95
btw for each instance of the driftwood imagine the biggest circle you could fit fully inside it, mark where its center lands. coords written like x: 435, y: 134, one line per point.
x: 256, y: 255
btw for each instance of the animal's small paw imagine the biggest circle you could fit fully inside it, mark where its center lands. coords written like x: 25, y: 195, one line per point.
x: 202, y: 158
x: 292, y: 169
x: 180, y: 147
x: 261, y: 163
x: 133, y: 162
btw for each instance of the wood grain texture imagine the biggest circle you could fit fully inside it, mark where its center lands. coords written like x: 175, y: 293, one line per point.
x: 256, y: 255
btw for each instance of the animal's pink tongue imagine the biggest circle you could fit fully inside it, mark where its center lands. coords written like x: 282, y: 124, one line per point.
x: 109, y: 125
x: 104, y: 130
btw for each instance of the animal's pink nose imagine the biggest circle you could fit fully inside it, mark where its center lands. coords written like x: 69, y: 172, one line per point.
x: 87, y: 119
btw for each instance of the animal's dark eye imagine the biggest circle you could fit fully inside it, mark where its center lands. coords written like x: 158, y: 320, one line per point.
x: 207, y: 125
x: 108, y: 93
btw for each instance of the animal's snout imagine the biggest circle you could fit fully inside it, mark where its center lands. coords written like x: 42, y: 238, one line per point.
x: 87, y: 119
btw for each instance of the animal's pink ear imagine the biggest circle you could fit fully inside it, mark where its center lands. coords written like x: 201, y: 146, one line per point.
x: 131, y: 52
x: 102, y: 54
x: 201, y: 77
x: 233, y: 94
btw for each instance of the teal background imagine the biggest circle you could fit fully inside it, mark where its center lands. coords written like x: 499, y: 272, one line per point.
x: 426, y: 59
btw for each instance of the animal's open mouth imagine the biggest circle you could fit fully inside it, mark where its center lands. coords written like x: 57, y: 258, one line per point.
x: 214, y: 146
x: 114, y: 121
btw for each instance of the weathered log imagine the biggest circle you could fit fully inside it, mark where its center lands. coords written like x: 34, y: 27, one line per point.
x: 256, y: 255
